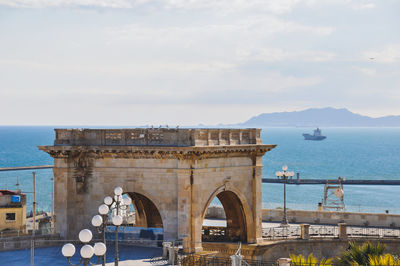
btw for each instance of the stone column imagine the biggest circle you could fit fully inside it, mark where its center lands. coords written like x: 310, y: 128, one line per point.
x: 171, y: 255
x: 166, y: 246
x: 284, y: 262
x: 305, y: 231
x: 342, y: 231
x: 61, y: 197
x: 184, y: 207
x: 236, y: 260
x: 257, y: 201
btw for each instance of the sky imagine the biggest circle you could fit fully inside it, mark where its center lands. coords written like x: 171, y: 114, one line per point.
x: 185, y: 62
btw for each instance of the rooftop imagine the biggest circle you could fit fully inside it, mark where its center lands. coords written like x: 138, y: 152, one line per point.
x: 4, y: 192
x: 172, y: 137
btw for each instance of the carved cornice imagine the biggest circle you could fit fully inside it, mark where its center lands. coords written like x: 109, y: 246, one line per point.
x: 159, y: 152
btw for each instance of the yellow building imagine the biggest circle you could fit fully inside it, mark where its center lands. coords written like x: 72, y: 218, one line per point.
x: 12, y: 210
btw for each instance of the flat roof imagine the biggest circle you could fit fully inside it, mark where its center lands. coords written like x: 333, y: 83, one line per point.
x: 4, y: 192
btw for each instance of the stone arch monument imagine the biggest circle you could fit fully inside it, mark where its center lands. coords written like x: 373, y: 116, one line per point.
x: 172, y: 175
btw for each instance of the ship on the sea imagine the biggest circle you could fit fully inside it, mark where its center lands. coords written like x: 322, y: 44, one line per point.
x: 317, y: 135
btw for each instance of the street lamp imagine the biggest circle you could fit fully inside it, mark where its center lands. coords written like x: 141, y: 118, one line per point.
x: 284, y: 175
x: 87, y: 251
x: 115, y: 205
x: 100, y: 222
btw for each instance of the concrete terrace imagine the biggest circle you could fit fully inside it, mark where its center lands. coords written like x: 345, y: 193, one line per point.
x: 129, y: 255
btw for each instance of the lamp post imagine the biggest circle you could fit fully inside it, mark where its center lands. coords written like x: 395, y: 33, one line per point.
x: 284, y: 175
x: 87, y: 251
x: 100, y: 222
x: 115, y: 205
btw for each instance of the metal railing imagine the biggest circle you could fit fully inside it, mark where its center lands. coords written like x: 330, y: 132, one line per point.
x: 329, y: 231
x: 219, y: 234
x: 324, y: 231
x: 209, y: 260
x: 23, y: 232
x: 281, y: 232
x: 372, y: 232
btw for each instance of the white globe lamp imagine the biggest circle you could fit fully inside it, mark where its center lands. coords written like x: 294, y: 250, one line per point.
x: 108, y: 200
x: 117, y: 220
x: 87, y: 251
x: 118, y: 191
x: 97, y: 220
x: 104, y: 209
x: 99, y: 249
x: 85, y: 236
x: 68, y: 250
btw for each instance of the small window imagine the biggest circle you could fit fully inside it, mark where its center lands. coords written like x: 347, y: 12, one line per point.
x: 10, y: 216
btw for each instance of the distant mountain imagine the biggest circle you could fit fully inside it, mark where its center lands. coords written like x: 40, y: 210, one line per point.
x: 321, y: 117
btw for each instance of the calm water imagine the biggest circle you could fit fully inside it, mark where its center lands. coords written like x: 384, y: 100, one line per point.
x: 354, y: 153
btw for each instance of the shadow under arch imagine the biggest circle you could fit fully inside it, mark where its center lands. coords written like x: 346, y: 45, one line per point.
x: 146, y: 212
x: 236, y: 218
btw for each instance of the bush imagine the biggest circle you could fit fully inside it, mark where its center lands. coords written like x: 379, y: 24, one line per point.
x: 360, y: 255
x: 300, y: 260
x: 386, y: 259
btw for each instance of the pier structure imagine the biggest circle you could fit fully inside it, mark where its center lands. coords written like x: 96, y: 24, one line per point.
x: 374, y: 182
x: 172, y: 176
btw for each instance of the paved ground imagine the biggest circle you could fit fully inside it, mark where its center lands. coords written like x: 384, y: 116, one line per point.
x: 217, y: 222
x: 52, y: 256
x: 140, y: 256
x: 144, y: 262
x: 129, y: 255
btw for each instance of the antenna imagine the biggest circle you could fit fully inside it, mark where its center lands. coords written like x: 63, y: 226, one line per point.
x: 17, y: 185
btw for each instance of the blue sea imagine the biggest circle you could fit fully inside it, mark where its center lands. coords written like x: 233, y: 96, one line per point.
x: 353, y: 153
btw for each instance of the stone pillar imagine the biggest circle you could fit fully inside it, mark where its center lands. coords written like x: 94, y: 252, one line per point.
x: 305, y: 231
x: 165, y: 245
x: 184, y: 205
x: 257, y: 201
x: 284, y: 262
x: 236, y: 260
x: 171, y: 255
x: 342, y: 231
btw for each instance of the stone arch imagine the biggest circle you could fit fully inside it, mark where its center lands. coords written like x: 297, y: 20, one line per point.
x: 147, y: 214
x: 237, y: 211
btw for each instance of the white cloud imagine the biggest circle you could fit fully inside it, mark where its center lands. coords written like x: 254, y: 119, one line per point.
x: 60, y: 3
x: 273, y: 6
x: 367, y: 6
x: 220, y: 46
x: 278, y: 54
x: 277, y: 7
x: 148, y: 67
x: 366, y: 71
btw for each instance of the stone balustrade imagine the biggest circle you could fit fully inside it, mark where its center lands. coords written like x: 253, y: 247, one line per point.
x: 156, y: 137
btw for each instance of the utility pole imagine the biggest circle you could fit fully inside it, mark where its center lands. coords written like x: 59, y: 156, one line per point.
x: 34, y: 219
x: 52, y: 202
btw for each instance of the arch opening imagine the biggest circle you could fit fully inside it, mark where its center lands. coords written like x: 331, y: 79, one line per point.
x: 141, y: 221
x: 234, y: 227
x: 145, y: 213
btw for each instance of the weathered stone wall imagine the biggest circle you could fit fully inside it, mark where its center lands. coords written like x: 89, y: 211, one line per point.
x: 333, y: 217
x: 273, y: 250
x: 321, y: 248
x: 24, y: 242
